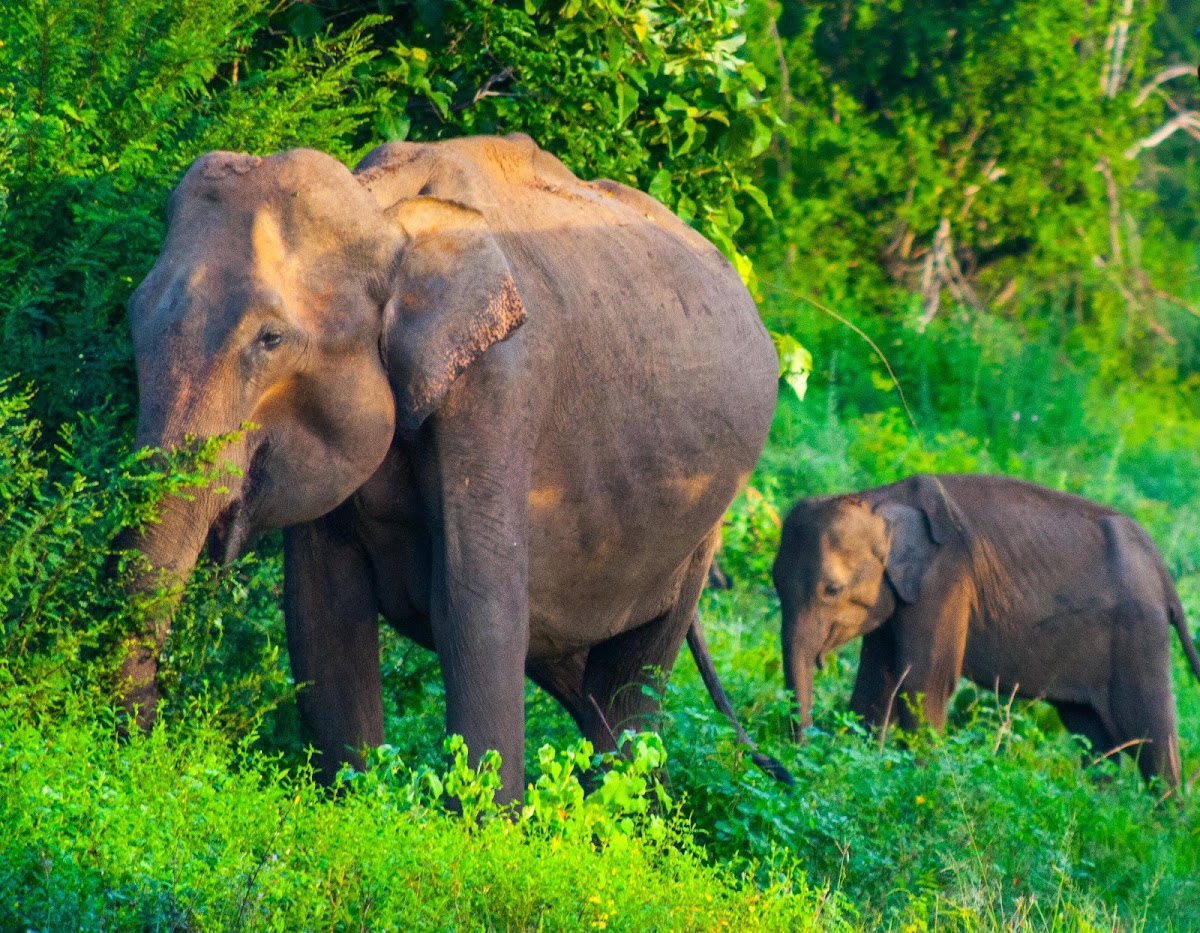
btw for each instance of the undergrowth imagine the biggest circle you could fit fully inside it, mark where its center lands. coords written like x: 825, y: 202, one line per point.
x: 213, y: 822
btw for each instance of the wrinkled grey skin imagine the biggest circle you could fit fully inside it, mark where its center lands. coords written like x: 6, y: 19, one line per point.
x: 1018, y: 587
x: 500, y: 407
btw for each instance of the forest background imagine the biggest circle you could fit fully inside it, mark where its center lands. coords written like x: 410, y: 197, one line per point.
x: 993, y: 207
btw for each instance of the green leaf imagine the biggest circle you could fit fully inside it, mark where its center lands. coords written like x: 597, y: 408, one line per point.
x: 762, y: 138
x: 304, y: 21
x: 660, y: 186
x: 759, y: 196
x: 627, y: 101
x: 795, y: 362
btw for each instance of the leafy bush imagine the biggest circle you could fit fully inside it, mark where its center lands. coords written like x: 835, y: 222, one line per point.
x: 896, y: 117
x: 991, y: 826
x: 186, y: 832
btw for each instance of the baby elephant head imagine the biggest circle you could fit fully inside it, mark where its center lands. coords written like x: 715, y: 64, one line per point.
x: 842, y: 565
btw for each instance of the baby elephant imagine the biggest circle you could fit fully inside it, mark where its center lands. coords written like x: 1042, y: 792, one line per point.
x: 1018, y: 587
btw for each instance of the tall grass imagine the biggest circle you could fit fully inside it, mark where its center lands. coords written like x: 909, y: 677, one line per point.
x: 213, y: 823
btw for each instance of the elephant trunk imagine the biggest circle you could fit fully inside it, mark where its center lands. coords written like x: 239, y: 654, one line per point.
x: 170, y: 546
x: 170, y: 549
x: 798, y: 674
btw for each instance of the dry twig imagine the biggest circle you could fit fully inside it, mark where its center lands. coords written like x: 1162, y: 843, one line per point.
x: 887, y: 713
x: 1167, y: 74
x: 1187, y: 120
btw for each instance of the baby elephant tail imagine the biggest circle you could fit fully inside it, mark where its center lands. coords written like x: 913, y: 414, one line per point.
x: 708, y: 673
x: 1181, y: 626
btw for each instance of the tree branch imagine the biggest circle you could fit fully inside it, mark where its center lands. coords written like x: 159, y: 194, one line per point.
x: 785, y: 87
x: 1189, y: 121
x: 1167, y: 74
x: 486, y: 90
x: 1166, y: 296
x: 1118, y: 36
x: 1114, y: 210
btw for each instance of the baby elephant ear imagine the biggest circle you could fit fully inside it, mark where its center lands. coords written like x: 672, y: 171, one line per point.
x: 451, y: 297
x: 911, y: 549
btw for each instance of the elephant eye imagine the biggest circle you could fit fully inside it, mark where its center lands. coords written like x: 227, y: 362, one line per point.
x: 269, y: 339
x: 832, y: 589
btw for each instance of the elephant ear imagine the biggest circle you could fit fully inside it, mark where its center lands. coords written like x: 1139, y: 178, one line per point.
x: 911, y: 550
x: 451, y: 297
x: 926, y: 492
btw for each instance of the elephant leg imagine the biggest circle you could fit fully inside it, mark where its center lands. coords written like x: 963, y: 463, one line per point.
x: 1084, y: 721
x: 876, y: 680
x: 479, y: 607
x: 562, y: 678
x: 621, y: 680
x: 332, y: 622
x: 931, y: 638
x: 1141, y: 705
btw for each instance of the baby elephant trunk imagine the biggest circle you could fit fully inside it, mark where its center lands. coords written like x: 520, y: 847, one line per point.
x: 798, y: 664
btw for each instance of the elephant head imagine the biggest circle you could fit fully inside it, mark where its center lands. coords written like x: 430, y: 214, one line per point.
x: 286, y: 297
x: 843, y: 566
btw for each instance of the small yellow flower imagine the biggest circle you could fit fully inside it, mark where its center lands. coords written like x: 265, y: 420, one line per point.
x: 920, y: 801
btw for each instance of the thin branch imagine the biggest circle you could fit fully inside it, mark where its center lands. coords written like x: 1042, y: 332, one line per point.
x: 1118, y: 37
x: 486, y: 90
x: 1166, y: 296
x: 933, y: 274
x: 1167, y: 74
x: 1006, y: 720
x: 604, y: 722
x: 837, y: 317
x: 785, y: 102
x: 1005, y: 295
x: 1114, y: 211
x: 1189, y: 120
x: 1109, y: 41
x: 785, y: 87
x: 953, y: 274
x: 1119, y: 748
x: 887, y: 713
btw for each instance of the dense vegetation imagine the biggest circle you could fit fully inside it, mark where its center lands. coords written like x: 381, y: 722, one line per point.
x: 985, y: 191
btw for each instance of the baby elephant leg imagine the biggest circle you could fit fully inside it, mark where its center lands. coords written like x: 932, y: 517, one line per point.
x: 1085, y: 722
x: 1142, y: 706
x: 875, y: 686
x: 931, y: 637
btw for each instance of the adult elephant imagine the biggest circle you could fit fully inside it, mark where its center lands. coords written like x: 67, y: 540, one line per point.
x: 499, y: 406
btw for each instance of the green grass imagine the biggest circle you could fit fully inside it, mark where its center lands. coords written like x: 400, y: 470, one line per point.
x: 212, y: 822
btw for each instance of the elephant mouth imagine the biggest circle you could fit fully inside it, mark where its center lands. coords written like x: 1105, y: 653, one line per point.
x: 228, y: 533
x: 233, y: 528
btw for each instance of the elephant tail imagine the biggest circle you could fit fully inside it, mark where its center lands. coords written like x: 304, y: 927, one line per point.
x: 708, y: 673
x: 1181, y: 626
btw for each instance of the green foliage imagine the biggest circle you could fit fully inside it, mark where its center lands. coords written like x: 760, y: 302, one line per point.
x: 992, y: 826
x: 659, y: 97
x: 110, y: 101
x: 189, y: 832
x: 750, y: 536
x: 795, y: 362
x: 103, y: 105
x: 1031, y: 350
x: 63, y: 599
x: 960, y: 150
